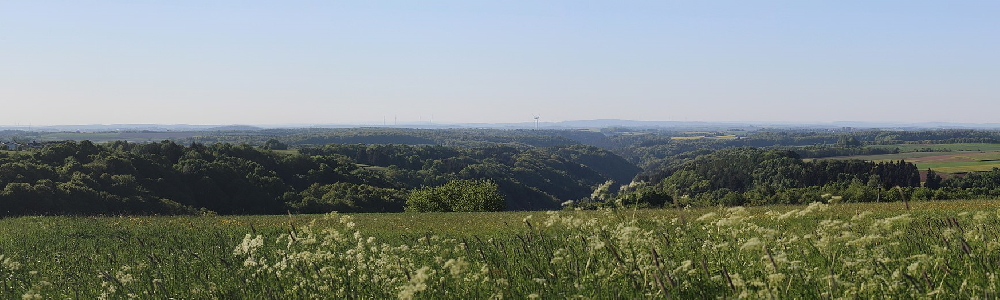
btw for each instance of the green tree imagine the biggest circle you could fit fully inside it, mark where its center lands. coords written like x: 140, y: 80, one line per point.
x: 457, y: 195
x: 274, y: 144
x: 933, y: 180
x: 348, y: 197
x: 849, y: 141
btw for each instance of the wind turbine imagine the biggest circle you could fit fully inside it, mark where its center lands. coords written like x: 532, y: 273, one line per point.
x: 536, y: 121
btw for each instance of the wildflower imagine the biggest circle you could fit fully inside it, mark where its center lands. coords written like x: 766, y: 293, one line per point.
x: 776, y: 278
x: 249, y: 245
x: 752, y: 243
x: 980, y: 217
x: 8, y: 263
x: 788, y: 214
x: 595, y: 244
x: 31, y: 295
x: 456, y: 267
x: 416, y: 284
x: 684, y: 267
x: 712, y: 215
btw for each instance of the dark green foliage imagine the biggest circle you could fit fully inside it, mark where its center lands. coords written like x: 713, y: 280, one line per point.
x: 533, y: 169
x: 162, y: 178
x: 980, y: 181
x: 274, y: 144
x: 738, y: 176
x: 457, y: 195
x: 348, y: 197
x: 529, y: 178
x: 167, y: 178
x: 933, y: 180
x: 818, y: 151
x: 848, y: 141
x: 406, y: 136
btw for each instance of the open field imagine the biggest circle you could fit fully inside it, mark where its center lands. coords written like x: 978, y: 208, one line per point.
x: 953, y: 162
x: 873, y: 250
x: 944, y: 147
x: 966, y: 169
x: 686, y: 137
x: 721, y: 137
x: 908, y: 156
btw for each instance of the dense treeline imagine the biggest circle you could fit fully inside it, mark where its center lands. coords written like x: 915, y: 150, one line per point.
x: 739, y: 176
x: 532, y: 178
x: 820, y: 151
x: 654, y: 150
x: 642, y: 147
x: 406, y: 136
x: 380, y: 169
x: 168, y: 178
x: 943, y: 136
x: 754, y: 176
x: 976, y: 184
x: 164, y: 178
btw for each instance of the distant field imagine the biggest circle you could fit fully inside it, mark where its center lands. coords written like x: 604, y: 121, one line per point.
x: 773, y: 252
x: 966, y: 169
x: 944, y: 147
x: 721, y: 137
x: 79, y: 136
x: 961, y: 158
x: 908, y: 156
x: 686, y: 137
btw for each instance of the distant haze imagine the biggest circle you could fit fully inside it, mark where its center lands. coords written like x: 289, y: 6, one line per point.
x: 386, y: 62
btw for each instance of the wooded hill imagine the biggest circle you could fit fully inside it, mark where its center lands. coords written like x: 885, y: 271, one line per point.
x: 390, y: 169
x: 168, y: 178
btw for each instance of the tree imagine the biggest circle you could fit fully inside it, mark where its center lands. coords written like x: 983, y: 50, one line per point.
x: 849, y: 141
x: 933, y: 180
x: 274, y: 144
x: 457, y: 195
x: 348, y: 197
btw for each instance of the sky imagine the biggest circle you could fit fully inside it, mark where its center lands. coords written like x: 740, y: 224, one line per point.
x: 369, y: 62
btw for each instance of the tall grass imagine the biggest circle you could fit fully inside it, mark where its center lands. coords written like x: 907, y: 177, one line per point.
x: 936, y: 250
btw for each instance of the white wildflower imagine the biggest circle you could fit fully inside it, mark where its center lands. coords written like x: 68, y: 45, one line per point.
x: 249, y: 245
x: 711, y: 215
x: 752, y: 244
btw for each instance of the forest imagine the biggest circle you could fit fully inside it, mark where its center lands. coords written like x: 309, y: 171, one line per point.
x: 169, y: 178
x: 393, y: 170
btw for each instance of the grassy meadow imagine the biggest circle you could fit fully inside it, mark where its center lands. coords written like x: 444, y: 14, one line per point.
x: 923, y: 250
x: 945, y: 147
x: 947, y: 158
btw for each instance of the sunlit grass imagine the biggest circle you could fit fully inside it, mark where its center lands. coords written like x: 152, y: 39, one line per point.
x: 870, y: 250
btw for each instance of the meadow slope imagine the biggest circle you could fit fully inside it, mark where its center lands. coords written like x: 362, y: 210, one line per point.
x: 931, y: 250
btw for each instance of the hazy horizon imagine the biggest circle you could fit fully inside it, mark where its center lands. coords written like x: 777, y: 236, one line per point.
x: 567, y: 124
x: 450, y: 62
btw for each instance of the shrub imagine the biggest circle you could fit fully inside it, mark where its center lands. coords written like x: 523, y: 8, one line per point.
x: 457, y: 195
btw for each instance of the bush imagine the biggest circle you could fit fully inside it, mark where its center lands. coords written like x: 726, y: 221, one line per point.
x: 457, y: 195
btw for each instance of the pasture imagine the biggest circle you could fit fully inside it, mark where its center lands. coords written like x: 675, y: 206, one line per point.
x: 945, y: 147
x: 948, y: 158
x: 872, y: 250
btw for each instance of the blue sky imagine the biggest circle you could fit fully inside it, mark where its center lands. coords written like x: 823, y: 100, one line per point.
x: 280, y: 62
